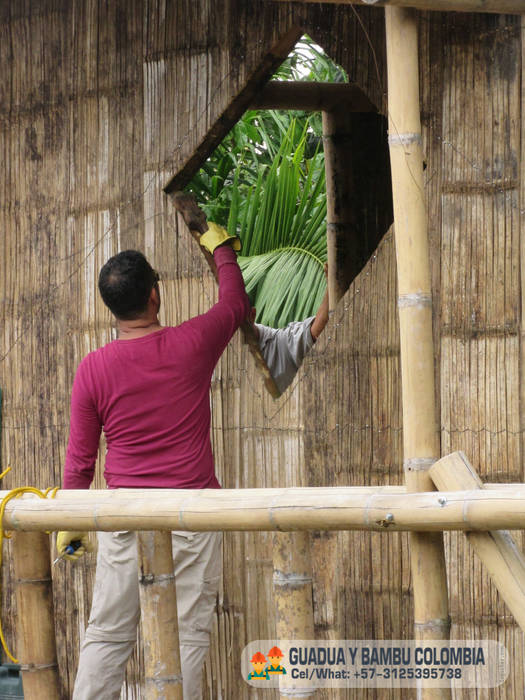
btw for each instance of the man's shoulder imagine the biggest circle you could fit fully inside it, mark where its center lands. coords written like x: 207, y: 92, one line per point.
x: 96, y: 356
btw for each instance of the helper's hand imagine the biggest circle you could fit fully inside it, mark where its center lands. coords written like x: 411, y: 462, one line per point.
x: 216, y: 236
x: 65, y: 538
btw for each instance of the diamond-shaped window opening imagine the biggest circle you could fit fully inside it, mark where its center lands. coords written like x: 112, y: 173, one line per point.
x: 298, y: 128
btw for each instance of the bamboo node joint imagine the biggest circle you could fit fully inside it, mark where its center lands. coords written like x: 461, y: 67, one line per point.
x: 149, y: 579
x: 297, y: 692
x: 404, y: 139
x: 32, y: 668
x: 176, y: 679
x: 22, y: 581
x: 418, y: 299
x: 439, y: 624
x: 284, y: 580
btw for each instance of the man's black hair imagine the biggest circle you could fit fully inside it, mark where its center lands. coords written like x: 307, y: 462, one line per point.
x: 125, y: 283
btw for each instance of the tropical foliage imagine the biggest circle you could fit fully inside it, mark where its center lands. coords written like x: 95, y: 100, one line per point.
x: 266, y: 182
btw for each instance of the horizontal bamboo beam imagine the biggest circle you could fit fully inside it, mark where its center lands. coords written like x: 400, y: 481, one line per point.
x: 312, y: 97
x: 341, y: 508
x: 515, y: 7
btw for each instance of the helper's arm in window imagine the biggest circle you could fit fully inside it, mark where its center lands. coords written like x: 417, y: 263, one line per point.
x: 284, y: 349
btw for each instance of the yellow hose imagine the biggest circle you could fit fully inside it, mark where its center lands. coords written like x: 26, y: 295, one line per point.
x: 16, y: 493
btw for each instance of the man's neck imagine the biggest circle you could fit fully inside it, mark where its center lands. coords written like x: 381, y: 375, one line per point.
x: 128, y: 330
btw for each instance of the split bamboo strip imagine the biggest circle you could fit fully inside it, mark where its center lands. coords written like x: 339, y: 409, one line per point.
x: 497, y: 550
x: 311, y: 96
x: 292, y: 585
x: 498, y: 6
x: 158, y: 606
x: 340, y: 204
x: 420, y: 435
x: 35, y: 634
x: 338, y: 508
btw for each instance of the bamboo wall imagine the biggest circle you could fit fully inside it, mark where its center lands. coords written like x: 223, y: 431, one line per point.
x: 101, y: 103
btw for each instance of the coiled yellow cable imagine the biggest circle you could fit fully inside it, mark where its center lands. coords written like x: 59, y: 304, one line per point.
x: 16, y: 493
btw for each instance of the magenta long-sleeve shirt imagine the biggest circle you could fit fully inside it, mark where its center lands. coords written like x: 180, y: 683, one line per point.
x: 150, y: 395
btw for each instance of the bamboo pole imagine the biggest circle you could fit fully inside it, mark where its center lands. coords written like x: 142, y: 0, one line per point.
x: 158, y: 606
x: 342, y: 239
x: 420, y: 435
x: 312, y: 96
x: 35, y: 625
x: 197, y: 226
x: 381, y: 509
x: 292, y: 581
x: 515, y: 7
x: 497, y: 550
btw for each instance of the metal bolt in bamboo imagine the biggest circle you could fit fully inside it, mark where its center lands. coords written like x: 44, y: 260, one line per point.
x: 158, y: 605
x: 497, y: 550
x: 35, y: 633
x: 420, y: 436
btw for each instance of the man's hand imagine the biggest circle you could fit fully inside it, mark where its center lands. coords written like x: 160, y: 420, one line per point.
x: 65, y: 538
x: 212, y: 235
x: 216, y: 236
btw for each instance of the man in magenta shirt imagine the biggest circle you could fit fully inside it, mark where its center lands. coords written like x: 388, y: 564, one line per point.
x: 149, y: 392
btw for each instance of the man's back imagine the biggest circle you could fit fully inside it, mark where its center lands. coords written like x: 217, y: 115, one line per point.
x: 151, y: 396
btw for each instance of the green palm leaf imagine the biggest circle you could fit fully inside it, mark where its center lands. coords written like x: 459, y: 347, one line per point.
x: 266, y: 182
x: 283, y: 228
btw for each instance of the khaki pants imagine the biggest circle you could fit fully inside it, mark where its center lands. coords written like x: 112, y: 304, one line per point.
x: 115, y: 611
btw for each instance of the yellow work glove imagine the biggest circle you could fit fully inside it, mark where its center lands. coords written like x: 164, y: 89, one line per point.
x: 67, y: 544
x: 216, y: 236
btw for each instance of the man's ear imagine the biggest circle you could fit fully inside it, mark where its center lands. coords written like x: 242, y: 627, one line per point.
x: 154, y: 296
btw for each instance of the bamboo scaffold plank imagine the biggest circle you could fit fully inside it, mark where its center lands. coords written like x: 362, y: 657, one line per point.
x: 515, y: 7
x: 420, y: 435
x: 379, y: 509
x: 497, y: 549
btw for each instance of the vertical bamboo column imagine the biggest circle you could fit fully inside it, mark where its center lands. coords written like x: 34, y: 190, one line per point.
x: 158, y: 604
x: 420, y: 437
x: 292, y: 581
x: 35, y: 631
x: 340, y: 214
